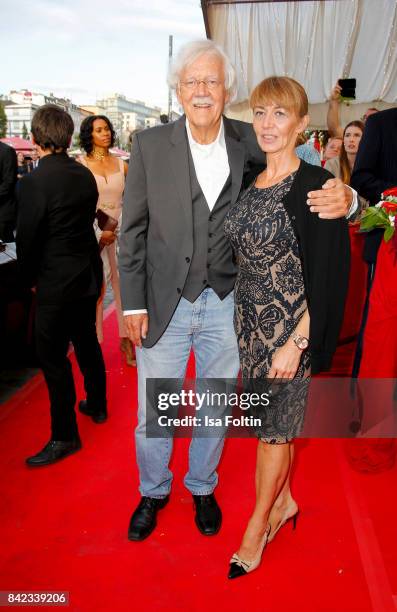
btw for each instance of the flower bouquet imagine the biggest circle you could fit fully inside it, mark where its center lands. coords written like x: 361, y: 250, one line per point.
x: 382, y: 215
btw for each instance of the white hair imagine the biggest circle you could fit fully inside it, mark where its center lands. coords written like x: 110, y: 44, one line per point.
x: 192, y: 51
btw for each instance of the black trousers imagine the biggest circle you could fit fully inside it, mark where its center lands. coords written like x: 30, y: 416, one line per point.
x: 56, y: 326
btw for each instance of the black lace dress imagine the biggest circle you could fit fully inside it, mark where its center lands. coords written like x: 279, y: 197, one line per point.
x: 269, y: 301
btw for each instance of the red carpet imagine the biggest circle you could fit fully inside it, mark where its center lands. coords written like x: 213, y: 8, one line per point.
x: 64, y: 527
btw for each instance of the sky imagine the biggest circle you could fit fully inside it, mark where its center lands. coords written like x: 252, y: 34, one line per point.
x: 86, y: 49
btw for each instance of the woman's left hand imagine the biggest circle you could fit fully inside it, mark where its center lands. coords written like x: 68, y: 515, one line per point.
x: 107, y: 238
x: 285, y: 361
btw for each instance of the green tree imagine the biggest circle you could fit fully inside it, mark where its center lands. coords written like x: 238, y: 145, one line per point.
x: 25, y: 133
x: 3, y: 121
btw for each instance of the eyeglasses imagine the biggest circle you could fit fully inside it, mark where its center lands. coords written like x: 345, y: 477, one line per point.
x: 193, y: 83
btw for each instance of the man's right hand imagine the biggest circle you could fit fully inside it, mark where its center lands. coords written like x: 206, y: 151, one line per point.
x: 137, y: 326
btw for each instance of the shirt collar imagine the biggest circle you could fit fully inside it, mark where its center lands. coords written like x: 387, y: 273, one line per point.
x: 219, y: 140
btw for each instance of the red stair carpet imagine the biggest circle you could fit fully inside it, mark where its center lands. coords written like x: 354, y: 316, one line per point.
x: 64, y: 527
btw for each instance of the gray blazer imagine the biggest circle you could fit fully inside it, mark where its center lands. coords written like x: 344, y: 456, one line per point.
x: 157, y: 228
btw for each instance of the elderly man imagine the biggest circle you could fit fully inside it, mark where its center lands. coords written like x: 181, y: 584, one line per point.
x: 176, y: 267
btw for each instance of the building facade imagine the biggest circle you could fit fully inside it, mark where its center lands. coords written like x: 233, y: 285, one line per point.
x: 129, y: 115
x: 20, y: 107
x: 126, y: 115
x: 93, y: 109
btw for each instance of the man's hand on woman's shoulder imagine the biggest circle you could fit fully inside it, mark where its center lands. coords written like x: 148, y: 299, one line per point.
x: 332, y: 201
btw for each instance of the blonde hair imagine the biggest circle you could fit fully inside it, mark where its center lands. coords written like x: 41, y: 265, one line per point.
x: 283, y: 91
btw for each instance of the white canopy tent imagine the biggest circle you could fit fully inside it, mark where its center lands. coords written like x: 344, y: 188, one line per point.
x: 315, y: 42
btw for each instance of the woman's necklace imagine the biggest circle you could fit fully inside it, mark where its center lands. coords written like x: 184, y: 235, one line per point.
x: 99, y: 154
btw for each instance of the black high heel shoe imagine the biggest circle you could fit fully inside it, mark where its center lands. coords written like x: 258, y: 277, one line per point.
x: 238, y: 567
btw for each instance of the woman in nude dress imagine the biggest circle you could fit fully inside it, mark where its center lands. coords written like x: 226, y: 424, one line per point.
x: 96, y: 138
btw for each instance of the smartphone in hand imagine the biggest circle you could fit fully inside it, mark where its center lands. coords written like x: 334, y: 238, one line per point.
x: 348, y: 88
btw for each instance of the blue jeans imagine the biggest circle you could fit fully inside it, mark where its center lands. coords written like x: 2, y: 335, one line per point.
x: 206, y: 326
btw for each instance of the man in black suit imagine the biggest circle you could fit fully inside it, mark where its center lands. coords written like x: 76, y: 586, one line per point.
x: 8, y: 179
x: 58, y: 256
x: 375, y: 170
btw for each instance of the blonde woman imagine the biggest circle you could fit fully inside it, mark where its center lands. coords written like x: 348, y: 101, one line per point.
x: 289, y: 298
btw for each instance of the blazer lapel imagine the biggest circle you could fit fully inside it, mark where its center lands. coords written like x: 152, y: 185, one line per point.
x: 179, y: 159
x: 236, y: 154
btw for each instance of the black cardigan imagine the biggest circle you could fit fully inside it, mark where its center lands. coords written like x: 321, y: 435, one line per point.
x: 324, y: 248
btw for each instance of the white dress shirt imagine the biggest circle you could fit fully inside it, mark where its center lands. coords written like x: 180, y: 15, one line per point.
x: 211, y: 164
x: 354, y: 205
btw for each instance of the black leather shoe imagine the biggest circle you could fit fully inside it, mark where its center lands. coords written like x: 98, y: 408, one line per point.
x: 143, y: 521
x: 208, y: 514
x: 98, y: 416
x: 54, y: 451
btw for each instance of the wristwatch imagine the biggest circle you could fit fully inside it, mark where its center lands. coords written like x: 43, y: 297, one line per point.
x: 301, y: 342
